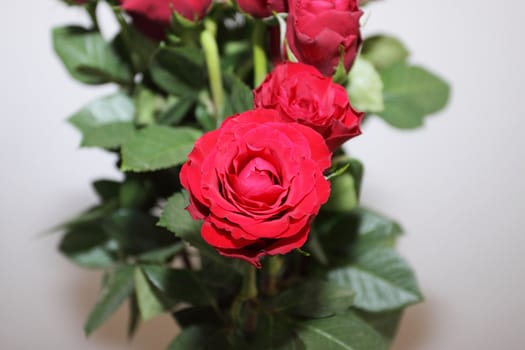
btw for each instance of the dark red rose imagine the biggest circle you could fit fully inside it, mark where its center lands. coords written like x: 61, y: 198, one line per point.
x: 257, y: 182
x: 262, y: 8
x: 317, y: 29
x: 303, y: 95
x: 153, y: 16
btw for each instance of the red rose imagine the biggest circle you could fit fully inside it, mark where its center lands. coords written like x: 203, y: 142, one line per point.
x: 257, y: 183
x: 302, y: 94
x: 262, y: 8
x: 317, y: 29
x: 153, y: 16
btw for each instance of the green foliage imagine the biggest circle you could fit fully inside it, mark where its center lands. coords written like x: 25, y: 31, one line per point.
x: 88, y: 57
x: 158, y: 147
x: 115, y: 290
x: 411, y: 93
x: 106, y: 122
x: 179, y: 71
x: 383, y: 51
x: 365, y: 87
x: 345, y: 332
x: 200, y: 338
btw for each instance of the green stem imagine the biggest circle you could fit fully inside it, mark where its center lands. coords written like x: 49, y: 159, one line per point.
x: 259, y: 54
x: 211, y: 53
x: 246, y: 297
x: 91, y: 8
x: 272, y: 269
x: 125, y: 35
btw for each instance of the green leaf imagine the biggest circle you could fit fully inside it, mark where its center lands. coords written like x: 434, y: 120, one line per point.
x: 135, y: 193
x: 106, y: 189
x: 386, y: 323
x: 176, y: 110
x: 179, y: 70
x: 196, y: 315
x: 272, y: 333
x: 158, y: 147
x: 200, y: 338
x: 411, y: 93
x: 147, y: 104
x: 315, y: 299
x: 134, y: 315
x: 88, y: 57
x: 383, y: 51
x: 149, y: 300
x: 162, y: 254
x: 365, y: 87
x: 115, y: 290
x: 183, y: 285
x: 345, y: 332
x: 106, y: 122
x: 381, y: 279
x: 240, y: 98
x: 87, y: 246
x: 138, y: 48
x: 176, y: 218
x: 136, y: 232
x: 343, y: 196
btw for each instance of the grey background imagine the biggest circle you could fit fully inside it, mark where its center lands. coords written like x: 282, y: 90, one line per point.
x: 456, y: 185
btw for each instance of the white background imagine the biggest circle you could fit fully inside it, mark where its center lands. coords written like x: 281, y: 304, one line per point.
x: 457, y: 185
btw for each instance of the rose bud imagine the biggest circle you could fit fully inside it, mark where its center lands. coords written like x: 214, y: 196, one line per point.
x: 318, y: 30
x: 257, y: 182
x: 153, y: 16
x: 262, y: 8
x: 303, y: 95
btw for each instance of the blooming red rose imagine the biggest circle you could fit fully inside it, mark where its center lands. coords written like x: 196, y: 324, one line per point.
x: 257, y: 182
x: 262, y: 8
x: 302, y: 94
x: 317, y: 29
x: 153, y: 16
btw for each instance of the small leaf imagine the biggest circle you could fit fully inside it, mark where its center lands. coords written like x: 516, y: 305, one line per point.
x: 148, y: 298
x: 88, y: 57
x: 381, y: 279
x: 182, y: 285
x: 176, y: 218
x: 158, y: 147
x: 340, y: 332
x: 200, y: 338
x: 386, y: 323
x: 106, y: 122
x: 87, y: 246
x: 315, y: 299
x: 179, y: 70
x: 365, y: 87
x: 411, y: 93
x: 383, y: 51
x: 116, y: 289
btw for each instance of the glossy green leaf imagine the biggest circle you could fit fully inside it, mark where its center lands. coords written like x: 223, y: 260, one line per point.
x: 88, y: 57
x: 106, y: 122
x: 148, y: 298
x: 365, y: 87
x: 410, y: 94
x: 115, y: 291
x: 87, y: 246
x: 384, y: 51
x: 315, y: 299
x: 136, y: 232
x: 386, y: 323
x: 158, y: 147
x: 106, y: 189
x: 200, y: 338
x: 340, y: 332
x: 183, y: 285
x: 176, y: 218
x: 179, y: 70
x: 381, y: 279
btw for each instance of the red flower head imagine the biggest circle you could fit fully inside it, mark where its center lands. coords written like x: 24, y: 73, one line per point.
x: 257, y: 182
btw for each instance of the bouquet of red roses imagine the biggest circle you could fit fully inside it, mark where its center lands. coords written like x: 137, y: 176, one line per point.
x: 238, y: 210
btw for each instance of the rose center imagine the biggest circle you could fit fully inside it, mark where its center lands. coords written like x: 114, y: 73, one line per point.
x: 258, y: 180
